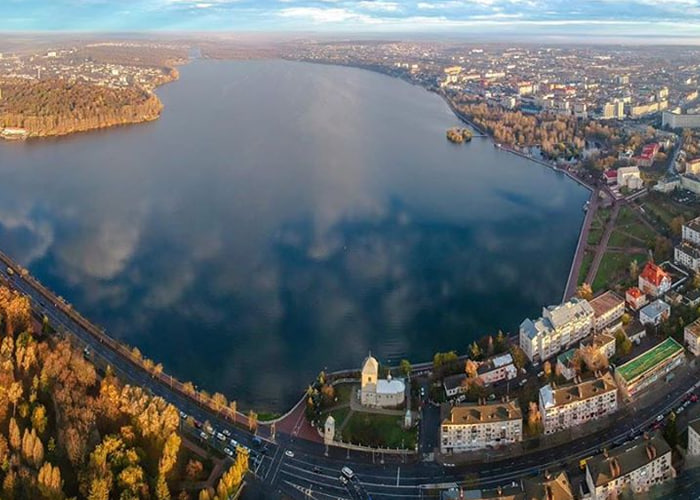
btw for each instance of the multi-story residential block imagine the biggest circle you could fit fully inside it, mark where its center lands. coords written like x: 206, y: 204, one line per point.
x: 604, y: 343
x: 635, y: 298
x: 565, y: 364
x: 649, y: 366
x: 578, y: 403
x: 691, y: 337
x: 694, y: 438
x: 559, y: 327
x: 608, y: 309
x: 655, y: 313
x: 653, y: 280
x: 636, y: 466
x: 472, y: 427
x: 687, y: 254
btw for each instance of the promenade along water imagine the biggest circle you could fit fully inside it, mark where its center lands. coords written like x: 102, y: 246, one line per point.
x: 283, y: 217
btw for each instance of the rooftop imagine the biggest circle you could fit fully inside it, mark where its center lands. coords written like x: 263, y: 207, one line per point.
x: 606, y: 302
x: 693, y: 328
x: 552, y: 488
x: 568, y: 311
x: 577, y: 392
x: 694, y: 224
x: 621, y: 461
x: 653, y: 274
x: 649, y: 360
x: 656, y: 308
x: 695, y: 425
x: 634, y: 292
x: 689, y: 249
x: 482, y: 414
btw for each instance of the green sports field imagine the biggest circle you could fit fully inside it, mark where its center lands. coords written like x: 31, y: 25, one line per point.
x: 645, y: 362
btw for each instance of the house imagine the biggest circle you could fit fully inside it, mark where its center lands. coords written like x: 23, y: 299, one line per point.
x: 473, y: 426
x: 496, y: 369
x: 455, y: 385
x: 655, y: 313
x: 687, y: 253
x: 608, y: 309
x: 604, y: 343
x: 636, y: 466
x: 575, y: 404
x: 635, y: 298
x: 650, y: 366
x: 694, y: 438
x: 610, y: 177
x: 647, y: 156
x: 691, y: 337
x: 653, y: 280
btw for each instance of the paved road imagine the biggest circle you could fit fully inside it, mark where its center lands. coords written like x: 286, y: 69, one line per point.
x: 294, y: 466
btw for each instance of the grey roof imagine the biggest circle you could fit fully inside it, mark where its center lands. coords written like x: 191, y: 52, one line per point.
x: 656, y: 308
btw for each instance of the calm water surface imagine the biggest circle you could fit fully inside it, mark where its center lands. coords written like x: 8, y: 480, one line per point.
x: 283, y: 217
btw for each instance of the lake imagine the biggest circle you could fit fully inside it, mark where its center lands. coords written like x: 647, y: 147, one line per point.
x: 282, y: 218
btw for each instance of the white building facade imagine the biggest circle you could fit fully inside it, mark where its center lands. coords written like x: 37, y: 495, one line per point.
x: 473, y: 427
x: 559, y: 327
x: 576, y: 404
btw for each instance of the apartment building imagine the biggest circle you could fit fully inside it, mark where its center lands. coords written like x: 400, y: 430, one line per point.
x: 691, y: 337
x: 496, y: 369
x: 575, y: 404
x: 634, y: 467
x: 694, y: 438
x: 608, y: 309
x: 472, y: 426
x: 559, y: 327
x: 687, y: 253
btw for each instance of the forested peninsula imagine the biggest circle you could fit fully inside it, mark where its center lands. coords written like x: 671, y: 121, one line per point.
x: 58, y: 107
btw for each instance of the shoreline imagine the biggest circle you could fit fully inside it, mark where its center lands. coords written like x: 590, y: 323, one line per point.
x: 173, y: 75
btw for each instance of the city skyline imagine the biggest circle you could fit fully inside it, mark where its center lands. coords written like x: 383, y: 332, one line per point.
x: 630, y: 18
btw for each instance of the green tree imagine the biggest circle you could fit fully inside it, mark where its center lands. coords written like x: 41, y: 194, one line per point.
x: 405, y: 367
x: 671, y: 431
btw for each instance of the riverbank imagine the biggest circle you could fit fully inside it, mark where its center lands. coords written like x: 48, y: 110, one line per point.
x: 61, y: 108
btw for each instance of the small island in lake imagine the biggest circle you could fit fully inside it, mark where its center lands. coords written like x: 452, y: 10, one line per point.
x: 459, y: 135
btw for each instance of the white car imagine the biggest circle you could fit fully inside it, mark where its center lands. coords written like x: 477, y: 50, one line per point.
x: 220, y: 436
x: 289, y: 453
x: 228, y: 452
x: 183, y: 415
x: 234, y: 443
x: 204, y: 435
x: 227, y: 433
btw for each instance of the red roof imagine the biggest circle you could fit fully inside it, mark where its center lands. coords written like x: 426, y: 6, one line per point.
x: 653, y: 274
x: 610, y: 174
x: 649, y: 151
x: 634, y: 292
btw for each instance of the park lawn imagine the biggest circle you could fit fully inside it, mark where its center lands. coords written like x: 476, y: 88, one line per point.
x: 268, y: 416
x: 585, y: 266
x: 613, y: 269
x: 595, y: 234
x: 343, y: 392
x: 383, y: 431
x: 603, y: 215
x: 339, y: 415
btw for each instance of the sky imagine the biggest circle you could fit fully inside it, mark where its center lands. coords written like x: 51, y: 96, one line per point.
x: 639, y: 18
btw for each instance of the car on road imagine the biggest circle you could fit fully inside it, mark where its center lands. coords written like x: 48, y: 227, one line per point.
x: 183, y: 415
x: 226, y: 432
x: 220, y: 436
x: 198, y: 424
x: 228, y: 452
x: 289, y: 453
x: 347, y: 472
x: 317, y: 469
x: 659, y: 418
x: 694, y: 398
x: 234, y: 443
x: 204, y: 435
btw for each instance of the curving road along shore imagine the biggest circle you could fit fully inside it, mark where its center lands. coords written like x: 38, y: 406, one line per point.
x: 295, y: 466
